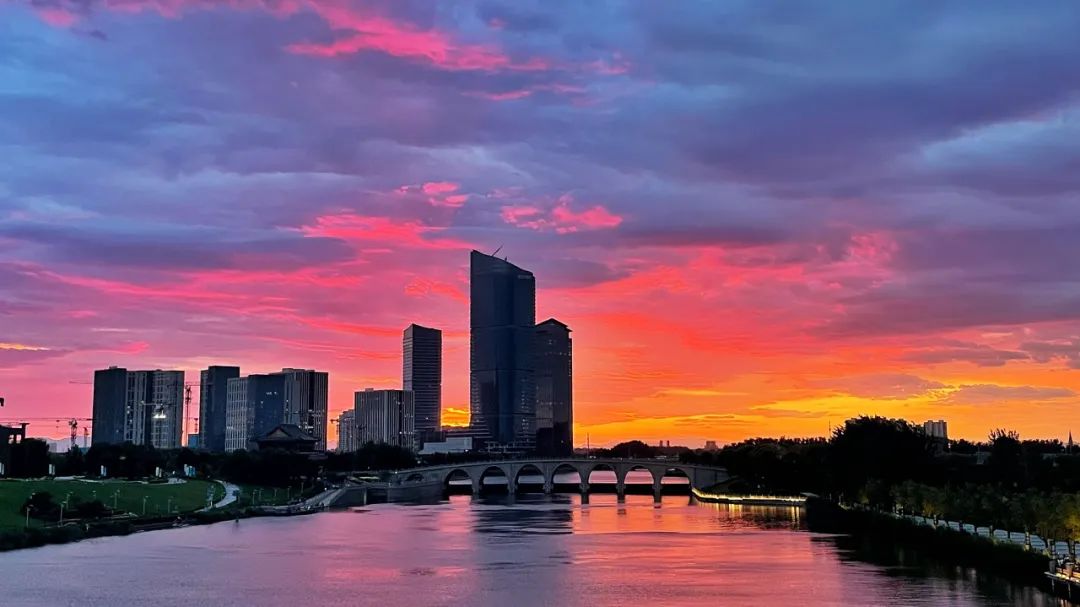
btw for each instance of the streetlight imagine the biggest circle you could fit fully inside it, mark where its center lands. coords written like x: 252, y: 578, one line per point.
x: 115, y: 497
x: 168, y: 508
x: 29, y: 507
x: 145, y: 497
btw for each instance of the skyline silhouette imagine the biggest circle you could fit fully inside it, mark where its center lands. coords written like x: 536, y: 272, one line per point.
x: 749, y: 233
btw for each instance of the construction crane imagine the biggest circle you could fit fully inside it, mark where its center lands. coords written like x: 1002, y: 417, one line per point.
x: 188, y: 417
x: 73, y: 424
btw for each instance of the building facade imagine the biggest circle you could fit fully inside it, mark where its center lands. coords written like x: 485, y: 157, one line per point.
x: 236, y: 413
x: 142, y: 407
x: 110, y: 406
x: 307, y: 402
x: 255, y: 405
x: 553, y: 357
x: 213, y: 397
x: 502, y: 388
x: 347, y: 431
x: 385, y: 416
x: 422, y: 375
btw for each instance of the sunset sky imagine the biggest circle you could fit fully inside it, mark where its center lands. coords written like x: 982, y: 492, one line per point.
x: 758, y: 218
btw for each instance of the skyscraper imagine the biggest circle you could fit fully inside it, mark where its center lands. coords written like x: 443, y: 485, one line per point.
x: 347, y: 431
x: 143, y: 407
x: 385, y: 416
x: 307, y: 402
x: 422, y: 375
x: 502, y: 391
x: 110, y: 405
x: 213, y: 396
x: 554, y: 389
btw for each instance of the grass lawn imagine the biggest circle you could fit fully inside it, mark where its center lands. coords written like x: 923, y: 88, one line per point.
x: 180, y: 497
x: 268, y: 496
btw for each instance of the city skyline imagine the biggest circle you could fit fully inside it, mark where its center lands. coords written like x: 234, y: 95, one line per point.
x: 748, y: 234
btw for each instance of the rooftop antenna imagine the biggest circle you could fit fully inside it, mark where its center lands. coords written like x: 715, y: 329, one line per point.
x: 497, y: 251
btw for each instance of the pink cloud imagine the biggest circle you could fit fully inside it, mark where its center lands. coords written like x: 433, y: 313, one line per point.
x: 360, y: 229
x: 424, y: 287
x: 439, y: 187
x: 368, y: 32
x: 357, y: 29
x: 562, y: 218
x: 57, y: 17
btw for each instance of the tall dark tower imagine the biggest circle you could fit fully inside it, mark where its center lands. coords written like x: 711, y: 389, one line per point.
x: 502, y: 391
x: 422, y: 375
x: 213, y: 393
x: 554, y: 389
x: 110, y: 405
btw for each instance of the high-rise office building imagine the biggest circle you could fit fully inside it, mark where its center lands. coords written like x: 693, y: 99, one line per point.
x: 213, y: 397
x: 502, y: 390
x: 385, y: 416
x: 347, y: 431
x: 554, y: 389
x: 255, y: 405
x: 236, y: 413
x: 143, y: 407
x: 307, y: 402
x: 422, y: 375
x: 110, y: 406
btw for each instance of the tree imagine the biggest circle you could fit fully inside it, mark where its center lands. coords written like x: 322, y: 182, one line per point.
x: 1005, y: 463
x: 29, y: 459
x: 41, y: 506
x: 886, y: 451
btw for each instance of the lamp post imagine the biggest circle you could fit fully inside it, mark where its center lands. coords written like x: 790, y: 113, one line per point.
x: 145, y: 497
x: 29, y: 507
x: 168, y: 508
x: 115, y: 497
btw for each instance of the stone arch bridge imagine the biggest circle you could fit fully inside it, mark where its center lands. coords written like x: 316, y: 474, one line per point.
x: 698, y: 476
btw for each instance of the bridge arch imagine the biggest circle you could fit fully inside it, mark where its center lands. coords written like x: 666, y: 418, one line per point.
x: 456, y: 474
x: 529, y: 470
x: 634, y: 468
x: 599, y: 467
x: 494, y: 471
x: 676, y: 472
x: 415, y: 477
x: 566, y: 468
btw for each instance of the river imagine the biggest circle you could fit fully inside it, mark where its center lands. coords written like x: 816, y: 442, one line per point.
x: 530, y: 551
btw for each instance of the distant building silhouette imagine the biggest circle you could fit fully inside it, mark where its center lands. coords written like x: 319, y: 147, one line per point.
x: 143, y: 407
x: 347, y: 431
x: 554, y: 388
x: 213, y: 398
x: 385, y: 416
x: 502, y: 390
x: 936, y: 429
x: 422, y: 375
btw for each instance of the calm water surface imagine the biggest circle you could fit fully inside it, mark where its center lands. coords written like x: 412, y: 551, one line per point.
x: 533, y: 551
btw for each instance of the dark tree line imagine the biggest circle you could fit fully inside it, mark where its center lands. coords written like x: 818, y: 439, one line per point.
x: 868, y: 457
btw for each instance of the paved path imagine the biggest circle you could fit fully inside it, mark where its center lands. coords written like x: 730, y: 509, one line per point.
x: 232, y: 492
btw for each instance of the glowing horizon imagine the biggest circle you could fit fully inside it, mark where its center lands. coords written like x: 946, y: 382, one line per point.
x: 748, y: 235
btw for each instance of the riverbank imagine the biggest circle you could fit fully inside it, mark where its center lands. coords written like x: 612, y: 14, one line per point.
x: 793, y: 501
x: 165, y: 504
x: 1004, y: 560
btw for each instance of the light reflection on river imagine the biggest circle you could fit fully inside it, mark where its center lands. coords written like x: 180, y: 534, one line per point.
x: 532, y: 551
